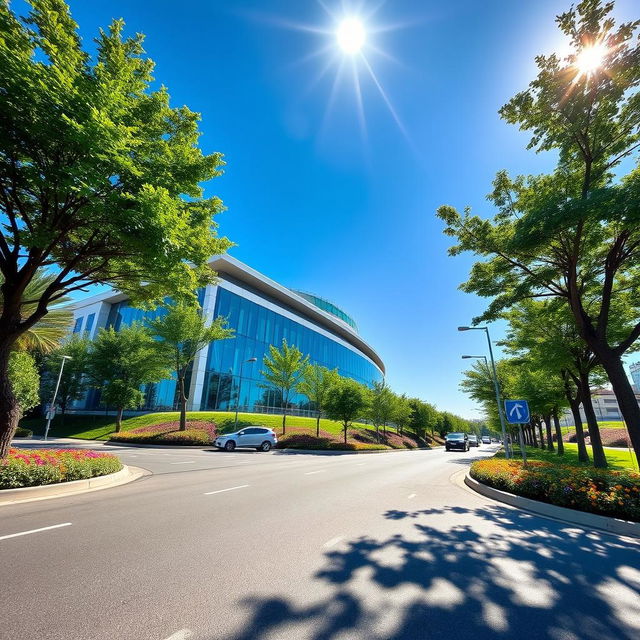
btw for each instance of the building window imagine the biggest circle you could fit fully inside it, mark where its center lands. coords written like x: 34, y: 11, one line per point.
x: 89, y: 325
x: 78, y: 325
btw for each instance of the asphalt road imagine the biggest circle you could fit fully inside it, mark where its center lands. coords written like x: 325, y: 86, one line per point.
x: 276, y: 546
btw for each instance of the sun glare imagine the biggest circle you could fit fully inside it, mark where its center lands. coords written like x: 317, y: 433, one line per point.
x: 351, y: 35
x: 591, y: 58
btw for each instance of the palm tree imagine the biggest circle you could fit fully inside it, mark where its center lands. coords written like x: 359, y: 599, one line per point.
x: 47, y: 334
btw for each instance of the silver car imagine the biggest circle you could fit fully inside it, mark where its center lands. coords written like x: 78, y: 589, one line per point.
x: 259, y: 438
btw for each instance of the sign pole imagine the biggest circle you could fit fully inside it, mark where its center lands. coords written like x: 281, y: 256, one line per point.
x: 523, y: 448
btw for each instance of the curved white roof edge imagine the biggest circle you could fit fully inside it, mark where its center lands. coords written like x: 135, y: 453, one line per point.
x: 244, y: 273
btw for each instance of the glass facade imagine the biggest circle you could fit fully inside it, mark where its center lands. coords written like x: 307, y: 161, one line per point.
x: 161, y: 395
x: 255, y: 329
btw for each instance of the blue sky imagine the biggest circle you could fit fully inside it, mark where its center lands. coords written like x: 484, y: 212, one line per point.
x: 339, y: 200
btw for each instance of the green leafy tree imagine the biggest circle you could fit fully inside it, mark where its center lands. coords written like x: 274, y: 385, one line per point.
x: 121, y: 363
x: 74, y: 381
x: 574, y: 234
x: 183, y: 332
x: 315, y: 384
x: 380, y: 406
x: 284, y: 370
x: 100, y: 178
x: 401, y: 412
x: 423, y: 417
x: 25, y: 380
x: 545, y: 333
x: 345, y: 402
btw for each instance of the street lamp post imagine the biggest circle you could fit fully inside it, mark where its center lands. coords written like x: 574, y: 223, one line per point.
x: 53, y: 400
x: 235, y: 428
x: 496, y: 385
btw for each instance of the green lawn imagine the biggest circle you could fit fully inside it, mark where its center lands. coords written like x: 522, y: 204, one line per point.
x: 98, y: 427
x: 617, y: 458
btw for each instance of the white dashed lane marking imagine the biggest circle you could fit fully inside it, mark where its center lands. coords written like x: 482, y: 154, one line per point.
x: 241, y: 486
x: 26, y: 533
x: 310, y: 473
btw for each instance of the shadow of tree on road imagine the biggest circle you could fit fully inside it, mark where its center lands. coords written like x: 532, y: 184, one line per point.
x: 508, y: 575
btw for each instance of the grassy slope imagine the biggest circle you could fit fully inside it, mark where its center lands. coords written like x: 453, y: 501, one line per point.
x: 617, y: 458
x: 98, y: 427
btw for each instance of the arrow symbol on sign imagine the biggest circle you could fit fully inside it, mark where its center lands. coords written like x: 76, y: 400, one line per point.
x: 516, y: 408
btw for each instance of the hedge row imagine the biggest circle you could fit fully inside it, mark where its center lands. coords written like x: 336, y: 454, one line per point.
x: 33, y: 467
x: 602, y: 491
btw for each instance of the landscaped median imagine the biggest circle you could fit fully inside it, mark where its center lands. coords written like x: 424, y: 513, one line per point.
x: 37, y: 467
x: 612, y: 493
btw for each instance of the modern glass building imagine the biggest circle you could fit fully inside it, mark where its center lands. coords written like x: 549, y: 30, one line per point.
x: 262, y: 313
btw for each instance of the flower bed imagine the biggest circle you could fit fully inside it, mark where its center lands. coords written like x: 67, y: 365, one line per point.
x: 295, y: 439
x: 609, y: 493
x: 198, y: 432
x: 33, y: 467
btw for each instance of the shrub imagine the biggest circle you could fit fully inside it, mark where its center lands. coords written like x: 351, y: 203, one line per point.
x: 21, y: 432
x: 602, y: 491
x: 198, y: 432
x: 33, y: 467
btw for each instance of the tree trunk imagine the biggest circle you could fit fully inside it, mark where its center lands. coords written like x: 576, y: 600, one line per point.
x: 574, y: 403
x: 534, y: 439
x: 318, y: 426
x: 9, y: 408
x: 599, y: 458
x: 547, y: 424
x: 345, y: 433
x: 284, y: 418
x: 541, y: 434
x: 119, y: 419
x: 629, y: 408
x: 556, y: 424
x: 183, y: 405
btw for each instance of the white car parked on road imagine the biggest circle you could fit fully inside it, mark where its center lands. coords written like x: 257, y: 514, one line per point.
x: 259, y: 438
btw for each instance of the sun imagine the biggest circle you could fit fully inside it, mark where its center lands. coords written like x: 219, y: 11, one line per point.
x: 351, y: 35
x: 591, y: 58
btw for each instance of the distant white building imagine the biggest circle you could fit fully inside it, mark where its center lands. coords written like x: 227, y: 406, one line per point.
x: 605, y: 405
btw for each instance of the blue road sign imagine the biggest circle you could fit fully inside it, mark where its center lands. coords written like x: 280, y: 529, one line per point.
x: 517, y: 411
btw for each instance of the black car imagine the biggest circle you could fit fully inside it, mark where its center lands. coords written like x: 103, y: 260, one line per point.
x: 456, y: 441
x: 473, y: 440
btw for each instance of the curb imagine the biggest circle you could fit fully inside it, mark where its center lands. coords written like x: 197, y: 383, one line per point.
x: 204, y: 447
x: 339, y: 452
x: 63, y: 489
x: 571, y: 516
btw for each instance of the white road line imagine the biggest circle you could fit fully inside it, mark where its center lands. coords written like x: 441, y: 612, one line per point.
x: 183, y: 634
x: 310, y: 473
x: 186, y: 462
x: 241, y: 486
x: 26, y: 533
x: 332, y: 542
x: 360, y: 464
x: 411, y: 496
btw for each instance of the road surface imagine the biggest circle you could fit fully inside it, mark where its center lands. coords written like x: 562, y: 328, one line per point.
x: 281, y: 546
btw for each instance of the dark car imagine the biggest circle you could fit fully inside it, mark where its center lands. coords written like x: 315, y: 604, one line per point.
x: 473, y: 441
x: 458, y: 441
